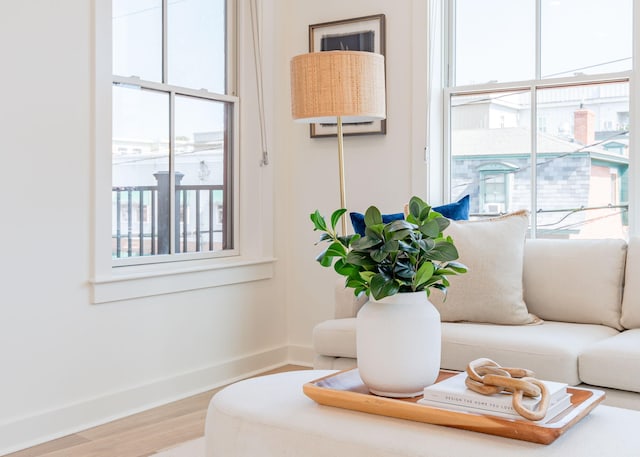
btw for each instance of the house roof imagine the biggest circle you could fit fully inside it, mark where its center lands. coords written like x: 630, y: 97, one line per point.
x: 509, y: 141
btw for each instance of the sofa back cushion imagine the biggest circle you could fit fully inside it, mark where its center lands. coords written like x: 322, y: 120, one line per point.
x: 575, y: 280
x: 491, y: 291
x: 631, y: 300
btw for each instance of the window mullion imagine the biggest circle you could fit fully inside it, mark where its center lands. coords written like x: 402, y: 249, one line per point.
x: 534, y: 162
x: 538, y: 41
x: 165, y: 60
x: 173, y: 230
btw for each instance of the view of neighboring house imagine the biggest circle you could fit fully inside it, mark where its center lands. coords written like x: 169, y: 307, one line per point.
x: 581, y: 161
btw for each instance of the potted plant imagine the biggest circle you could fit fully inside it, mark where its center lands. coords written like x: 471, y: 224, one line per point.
x: 396, y: 265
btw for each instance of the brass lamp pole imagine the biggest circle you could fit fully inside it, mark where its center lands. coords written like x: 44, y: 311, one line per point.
x: 337, y: 87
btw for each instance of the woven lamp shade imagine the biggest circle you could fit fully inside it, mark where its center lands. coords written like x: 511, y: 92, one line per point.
x: 328, y: 84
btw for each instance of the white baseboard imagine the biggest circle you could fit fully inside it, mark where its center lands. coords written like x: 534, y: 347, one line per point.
x: 47, y: 425
x: 301, y: 355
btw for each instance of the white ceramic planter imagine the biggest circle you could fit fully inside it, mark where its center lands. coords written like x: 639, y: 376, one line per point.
x: 398, y: 344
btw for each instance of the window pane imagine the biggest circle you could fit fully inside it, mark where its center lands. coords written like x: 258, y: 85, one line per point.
x: 586, y: 36
x: 583, y: 158
x: 196, y: 44
x: 490, y: 151
x: 140, y: 165
x: 495, y: 41
x: 201, y: 173
x: 137, y: 38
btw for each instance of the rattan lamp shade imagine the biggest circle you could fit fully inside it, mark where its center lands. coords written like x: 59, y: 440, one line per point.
x: 325, y: 85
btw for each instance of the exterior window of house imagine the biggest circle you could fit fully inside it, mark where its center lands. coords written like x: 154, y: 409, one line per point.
x: 542, y: 86
x: 174, y: 107
x: 496, y: 182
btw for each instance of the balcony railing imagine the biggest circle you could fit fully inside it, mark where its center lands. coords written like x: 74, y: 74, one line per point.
x: 141, y: 217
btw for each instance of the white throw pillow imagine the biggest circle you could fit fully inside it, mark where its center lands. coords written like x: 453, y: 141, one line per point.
x: 491, y: 291
x: 575, y: 280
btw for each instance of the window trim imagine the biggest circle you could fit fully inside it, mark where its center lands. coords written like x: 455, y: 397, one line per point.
x: 173, y: 92
x: 253, y: 260
x: 231, y: 170
x: 441, y: 184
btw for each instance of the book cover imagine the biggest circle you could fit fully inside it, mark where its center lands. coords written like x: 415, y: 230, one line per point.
x: 558, y: 407
x: 454, y: 391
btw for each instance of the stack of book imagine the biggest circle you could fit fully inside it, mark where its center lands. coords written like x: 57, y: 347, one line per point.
x: 453, y: 394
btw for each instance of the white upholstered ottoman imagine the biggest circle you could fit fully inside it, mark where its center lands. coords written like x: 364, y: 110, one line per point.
x: 270, y: 416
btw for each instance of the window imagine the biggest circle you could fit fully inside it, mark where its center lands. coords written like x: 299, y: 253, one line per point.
x: 537, y: 112
x: 174, y: 118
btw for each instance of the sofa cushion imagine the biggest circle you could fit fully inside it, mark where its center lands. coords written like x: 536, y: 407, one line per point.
x: 614, y: 362
x: 357, y: 221
x: 550, y: 349
x: 336, y: 338
x: 630, y: 317
x: 491, y: 291
x: 575, y: 280
x: 457, y: 211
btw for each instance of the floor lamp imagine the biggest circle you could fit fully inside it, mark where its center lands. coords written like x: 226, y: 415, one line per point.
x: 336, y: 87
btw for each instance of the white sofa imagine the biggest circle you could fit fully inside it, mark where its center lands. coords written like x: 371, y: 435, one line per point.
x: 587, y: 294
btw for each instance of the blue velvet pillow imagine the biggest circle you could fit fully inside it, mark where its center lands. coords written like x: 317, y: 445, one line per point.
x: 357, y: 220
x: 457, y: 211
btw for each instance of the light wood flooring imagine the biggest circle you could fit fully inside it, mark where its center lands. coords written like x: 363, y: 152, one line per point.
x: 139, y: 435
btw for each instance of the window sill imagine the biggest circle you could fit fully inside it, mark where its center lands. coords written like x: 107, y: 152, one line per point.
x: 134, y: 282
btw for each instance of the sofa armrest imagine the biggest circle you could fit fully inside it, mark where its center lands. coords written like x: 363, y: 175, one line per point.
x: 346, y: 303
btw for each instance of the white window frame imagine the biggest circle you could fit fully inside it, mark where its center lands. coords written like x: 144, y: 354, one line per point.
x: 439, y: 127
x: 252, y: 257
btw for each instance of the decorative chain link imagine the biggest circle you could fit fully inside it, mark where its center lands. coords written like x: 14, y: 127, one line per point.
x: 487, y: 377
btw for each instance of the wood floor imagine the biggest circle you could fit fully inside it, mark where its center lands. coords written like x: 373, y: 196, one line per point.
x: 140, y: 435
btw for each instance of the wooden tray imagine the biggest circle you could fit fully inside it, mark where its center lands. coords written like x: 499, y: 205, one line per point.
x: 346, y: 390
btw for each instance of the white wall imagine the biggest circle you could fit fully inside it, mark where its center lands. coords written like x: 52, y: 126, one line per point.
x: 66, y: 363
x: 385, y: 170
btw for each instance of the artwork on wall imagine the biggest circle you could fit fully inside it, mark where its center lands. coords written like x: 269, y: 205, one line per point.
x: 358, y: 34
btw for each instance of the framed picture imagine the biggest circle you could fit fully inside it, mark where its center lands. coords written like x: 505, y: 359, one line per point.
x: 358, y: 34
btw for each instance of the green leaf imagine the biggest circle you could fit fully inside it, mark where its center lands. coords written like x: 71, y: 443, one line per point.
x: 430, y: 229
x: 382, y: 287
x: 405, y: 247
x: 442, y: 222
x: 378, y: 255
x: 344, y: 269
x: 415, y: 207
x: 318, y: 221
x: 336, y: 249
x: 372, y: 216
x: 367, y: 275
x: 443, y: 252
x: 365, y: 242
x: 426, y: 245
x: 335, y: 217
x: 324, y: 259
x: 374, y: 231
x: 442, y: 289
x: 361, y: 259
x: 398, y: 230
x: 399, y: 224
x: 457, y: 267
x: 390, y: 246
x: 346, y: 240
x: 403, y: 271
x: 354, y: 282
x: 424, y: 273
